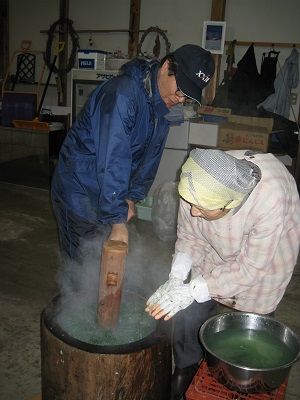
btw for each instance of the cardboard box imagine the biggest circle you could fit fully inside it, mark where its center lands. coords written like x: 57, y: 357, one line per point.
x: 241, y: 133
x: 253, y: 121
x: 203, y: 134
x: 91, y: 59
x: 221, y: 112
x: 241, y: 136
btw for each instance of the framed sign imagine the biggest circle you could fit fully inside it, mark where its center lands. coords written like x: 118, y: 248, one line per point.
x: 213, y: 37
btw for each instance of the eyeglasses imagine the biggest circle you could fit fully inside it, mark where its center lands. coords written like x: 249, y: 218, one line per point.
x: 182, y: 97
x: 179, y: 93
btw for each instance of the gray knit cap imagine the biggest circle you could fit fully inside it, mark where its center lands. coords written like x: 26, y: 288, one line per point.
x: 214, y: 179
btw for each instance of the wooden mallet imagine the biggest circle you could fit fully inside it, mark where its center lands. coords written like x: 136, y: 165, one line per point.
x: 110, y: 285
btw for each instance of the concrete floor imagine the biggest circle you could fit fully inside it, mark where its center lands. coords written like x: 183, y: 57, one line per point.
x: 28, y: 268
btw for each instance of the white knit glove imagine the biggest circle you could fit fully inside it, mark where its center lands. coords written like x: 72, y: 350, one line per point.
x: 180, y: 269
x: 175, y: 300
x: 168, y: 286
x: 175, y: 296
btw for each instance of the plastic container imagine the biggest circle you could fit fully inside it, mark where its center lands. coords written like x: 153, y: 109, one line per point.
x: 165, y: 210
x: 91, y: 59
x: 144, y: 209
x: 205, y: 387
x: 115, y: 64
x: 18, y: 106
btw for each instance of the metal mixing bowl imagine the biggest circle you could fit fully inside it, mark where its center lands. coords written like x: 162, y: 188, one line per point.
x: 237, y: 376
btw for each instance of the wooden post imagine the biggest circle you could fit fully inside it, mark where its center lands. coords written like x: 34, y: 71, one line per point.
x: 134, y: 26
x: 217, y: 14
x: 110, y: 285
x: 4, y: 40
x: 63, y: 56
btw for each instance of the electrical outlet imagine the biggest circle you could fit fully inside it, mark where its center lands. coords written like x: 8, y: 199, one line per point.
x: 294, y: 97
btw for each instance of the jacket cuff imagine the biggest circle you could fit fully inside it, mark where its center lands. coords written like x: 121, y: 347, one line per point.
x: 181, y: 266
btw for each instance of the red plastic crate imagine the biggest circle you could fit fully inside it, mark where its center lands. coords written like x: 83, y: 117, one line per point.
x: 205, y: 387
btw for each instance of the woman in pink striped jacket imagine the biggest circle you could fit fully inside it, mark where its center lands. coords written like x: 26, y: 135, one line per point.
x: 238, y: 238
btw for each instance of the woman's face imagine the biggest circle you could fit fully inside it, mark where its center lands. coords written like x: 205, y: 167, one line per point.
x: 208, y: 215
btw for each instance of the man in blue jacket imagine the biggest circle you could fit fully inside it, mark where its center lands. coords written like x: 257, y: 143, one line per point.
x: 110, y: 156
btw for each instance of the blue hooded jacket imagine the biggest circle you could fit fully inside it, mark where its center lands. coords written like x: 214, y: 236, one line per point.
x: 113, y: 149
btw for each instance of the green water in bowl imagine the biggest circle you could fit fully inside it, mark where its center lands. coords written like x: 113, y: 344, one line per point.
x: 249, y: 348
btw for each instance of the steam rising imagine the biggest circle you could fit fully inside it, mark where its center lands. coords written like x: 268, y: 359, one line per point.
x: 145, y: 270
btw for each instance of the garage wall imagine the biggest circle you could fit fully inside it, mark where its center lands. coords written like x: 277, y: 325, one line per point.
x: 264, y: 21
x: 182, y: 20
x: 28, y: 18
x: 255, y: 20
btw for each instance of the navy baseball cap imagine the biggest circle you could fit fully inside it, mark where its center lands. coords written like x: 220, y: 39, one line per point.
x: 195, y: 68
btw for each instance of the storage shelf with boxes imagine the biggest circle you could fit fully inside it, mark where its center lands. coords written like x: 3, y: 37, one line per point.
x: 218, y: 128
x: 230, y: 132
x: 99, y: 59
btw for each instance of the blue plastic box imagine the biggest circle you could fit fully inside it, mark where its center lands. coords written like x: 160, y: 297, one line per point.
x: 91, y: 59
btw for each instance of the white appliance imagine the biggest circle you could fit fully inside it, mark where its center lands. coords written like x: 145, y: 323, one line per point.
x: 83, y: 82
x: 174, y: 155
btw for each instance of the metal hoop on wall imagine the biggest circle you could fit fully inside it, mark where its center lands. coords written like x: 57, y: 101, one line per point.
x: 159, y: 32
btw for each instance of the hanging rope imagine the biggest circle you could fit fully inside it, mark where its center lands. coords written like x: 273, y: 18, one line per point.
x: 158, y: 31
x: 75, y: 46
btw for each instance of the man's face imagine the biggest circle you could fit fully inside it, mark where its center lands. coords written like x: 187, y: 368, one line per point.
x: 167, y: 86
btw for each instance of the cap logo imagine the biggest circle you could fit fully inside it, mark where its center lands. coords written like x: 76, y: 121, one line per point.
x: 202, y: 76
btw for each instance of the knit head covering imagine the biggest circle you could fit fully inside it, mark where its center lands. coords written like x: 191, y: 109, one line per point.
x: 213, y: 179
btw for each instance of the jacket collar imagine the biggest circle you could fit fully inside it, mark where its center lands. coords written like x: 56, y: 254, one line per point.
x: 160, y: 108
